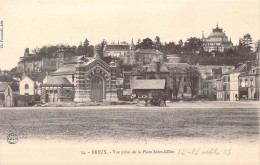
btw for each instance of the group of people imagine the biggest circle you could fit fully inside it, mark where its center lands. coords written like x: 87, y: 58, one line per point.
x: 157, y: 100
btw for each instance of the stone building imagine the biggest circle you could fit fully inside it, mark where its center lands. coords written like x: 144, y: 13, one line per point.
x: 31, y: 63
x: 9, y: 89
x: 227, y: 85
x: 63, y: 54
x: 95, y: 81
x: 85, y: 80
x: 216, y: 41
x: 249, y: 84
x: 123, y: 51
x: 145, y: 56
x: 146, y: 88
x: 57, y: 89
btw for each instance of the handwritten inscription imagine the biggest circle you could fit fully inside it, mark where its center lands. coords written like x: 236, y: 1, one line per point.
x: 198, y: 151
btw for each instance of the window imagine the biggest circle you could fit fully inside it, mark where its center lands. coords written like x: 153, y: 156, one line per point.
x: 185, y: 89
x: 26, y: 86
x: 73, y: 78
x: 240, y: 82
x: 246, y: 83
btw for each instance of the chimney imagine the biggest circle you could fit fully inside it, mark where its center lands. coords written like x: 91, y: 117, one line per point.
x: 26, y: 52
x: 248, y: 66
x: 157, y: 66
x: 237, y: 65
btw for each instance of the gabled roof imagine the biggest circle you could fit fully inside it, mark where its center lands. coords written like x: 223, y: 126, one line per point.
x: 37, y: 77
x: 71, y: 68
x: 148, y: 84
x: 152, y: 67
x: 148, y: 51
x: 3, y: 86
x: 176, y: 70
x: 4, y: 78
x: 241, y: 68
x: 117, y: 47
x: 33, y: 57
x: 66, y: 69
x: 41, y: 77
x: 182, y: 66
x: 94, y: 61
x: 14, y: 86
x: 57, y: 81
x: 73, y: 59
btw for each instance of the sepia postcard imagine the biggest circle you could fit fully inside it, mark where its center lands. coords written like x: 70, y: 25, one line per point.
x: 171, y: 82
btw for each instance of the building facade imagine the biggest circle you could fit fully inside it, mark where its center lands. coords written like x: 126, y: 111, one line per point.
x: 95, y: 82
x: 216, y: 41
x: 228, y: 89
x: 123, y: 51
x: 57, y: 89
x: 249, y: 84
x: 146, y: 56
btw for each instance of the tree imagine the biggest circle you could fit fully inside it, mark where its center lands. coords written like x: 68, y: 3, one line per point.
x: 158, y: 44
x: 193, y: 44
x: 247, y: 42
x: 193, y: 77
x: 180, y: 43
x: 36, y: 50
x: 146, y: 44
x: 100, y: 48
x: 85, y: 49
x: 176, y: 81
x: 244, y: 46
x: 257, y: 46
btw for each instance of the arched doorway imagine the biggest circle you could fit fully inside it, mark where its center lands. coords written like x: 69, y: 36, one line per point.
x: 96, y: 89
x: 8, y: 101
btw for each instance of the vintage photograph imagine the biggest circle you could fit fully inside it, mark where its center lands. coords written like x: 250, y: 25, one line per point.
x: 129, y: 82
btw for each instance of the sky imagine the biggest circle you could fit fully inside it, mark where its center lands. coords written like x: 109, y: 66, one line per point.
x: 35, y: 23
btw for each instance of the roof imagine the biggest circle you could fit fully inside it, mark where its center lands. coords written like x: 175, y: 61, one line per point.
x: 71, y: 68
x: 117, y: 47
x: 73, y: 59
x: 37, y: 77
x: 59, y: 81
x: 66, y: 69
x: 173, y: 55
x: 217, y: 29
x: 3, y: 86
x: 241, y: 68
x: 4, y: 78
x: 182, y: 66
x: 41, y: 77
x: 31, y: 58
x: 148, y: 84
x: 14, y: 86
x: 152, y: 67
x: 148, y: 51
